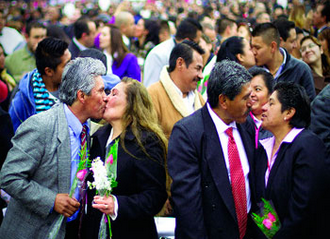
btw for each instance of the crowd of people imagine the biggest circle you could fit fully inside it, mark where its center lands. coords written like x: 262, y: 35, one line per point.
x: 204, y: 111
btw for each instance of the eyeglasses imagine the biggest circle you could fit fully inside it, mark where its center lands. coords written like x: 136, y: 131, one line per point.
x: 309, y: 46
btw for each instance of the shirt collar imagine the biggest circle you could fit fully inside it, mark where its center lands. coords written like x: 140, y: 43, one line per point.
x: 126, y: 40
x: 73, y: 122
x: 292, y: 135
x: 321, y: 29
x: 283, y: 52
x: 256, y: 121
x: 219, y: 124
x: 279, y: 71
x: 289, y: 138
x: 189, y: 95
x: 78, y: 44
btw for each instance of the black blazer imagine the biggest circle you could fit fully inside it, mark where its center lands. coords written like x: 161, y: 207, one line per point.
x: 73, y: 48
x: 141, y: 190
x: 201, y: 191
x: 297, y: 186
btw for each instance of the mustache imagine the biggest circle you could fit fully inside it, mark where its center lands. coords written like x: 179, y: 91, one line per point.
x: 197, y: 79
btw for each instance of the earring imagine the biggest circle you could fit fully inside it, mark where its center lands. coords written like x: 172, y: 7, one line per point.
x: 284, y: 118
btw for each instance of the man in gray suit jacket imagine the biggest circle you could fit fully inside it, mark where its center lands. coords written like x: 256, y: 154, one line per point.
x: 39, y: 169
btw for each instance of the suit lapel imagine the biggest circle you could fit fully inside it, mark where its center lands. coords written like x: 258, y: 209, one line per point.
x: 102, y: 136
x: 215, y: 159
x: 250, y: 154
x: 275, y: 167
x: 63, y: 151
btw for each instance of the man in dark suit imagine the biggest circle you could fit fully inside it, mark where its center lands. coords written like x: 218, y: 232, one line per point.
x: 210, y: 167
x: 84, y: 34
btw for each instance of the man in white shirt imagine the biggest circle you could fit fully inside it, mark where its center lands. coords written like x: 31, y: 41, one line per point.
x: 209, y: 160
x: 10, y: 38
x: 158, y: 57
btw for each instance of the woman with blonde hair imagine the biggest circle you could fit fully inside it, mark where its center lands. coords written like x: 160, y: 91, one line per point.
x: 297, y: 15
x: 140, y: 172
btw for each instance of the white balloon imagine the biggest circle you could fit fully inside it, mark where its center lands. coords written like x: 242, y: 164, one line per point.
x: 283, y: 3
x: 104, y: 5
x: 69, y: 10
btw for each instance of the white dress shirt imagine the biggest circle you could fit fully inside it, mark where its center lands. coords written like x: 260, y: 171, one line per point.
x: 221, y: 127
x: 189, y: 100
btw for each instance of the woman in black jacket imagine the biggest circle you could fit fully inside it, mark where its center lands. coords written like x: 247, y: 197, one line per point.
x: 140, y: 170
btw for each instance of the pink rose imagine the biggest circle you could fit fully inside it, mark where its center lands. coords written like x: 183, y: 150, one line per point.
x: 267, y: 223
x: 271, y: 217
x: 110, y: 159
x: 81, y: 174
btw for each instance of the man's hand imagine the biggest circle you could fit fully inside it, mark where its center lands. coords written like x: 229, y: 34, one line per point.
x: 65, y: 205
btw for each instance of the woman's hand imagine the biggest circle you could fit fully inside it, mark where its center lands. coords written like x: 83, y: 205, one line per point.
x: 105, y: 204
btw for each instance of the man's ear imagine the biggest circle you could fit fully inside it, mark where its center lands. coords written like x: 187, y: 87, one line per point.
x: 223, y: 101
x: 81, y: 96
x: 83, y: 35
x: 290, y: 113
x: 273, y: 46
x: 240, y: 57
x: 179, y: 63
x: 49, y: 72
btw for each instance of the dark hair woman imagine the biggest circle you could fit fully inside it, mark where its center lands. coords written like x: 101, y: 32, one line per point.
x: 147, y: 34
x: 120, y: 61
x: 262, y: 87
x: 291, y: 169
x: 312, y: 54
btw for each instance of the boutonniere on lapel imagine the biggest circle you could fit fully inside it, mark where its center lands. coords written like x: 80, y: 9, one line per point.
x: 267, y: 219
x: 105, y: 175
x: 78, y: 182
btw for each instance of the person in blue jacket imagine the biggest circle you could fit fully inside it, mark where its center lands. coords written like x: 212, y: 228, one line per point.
x: 38, y: 89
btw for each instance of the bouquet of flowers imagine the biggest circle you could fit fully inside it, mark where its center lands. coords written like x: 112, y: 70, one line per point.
x: 267, y: 219
x: 104, y: 181
x: 81, y: 174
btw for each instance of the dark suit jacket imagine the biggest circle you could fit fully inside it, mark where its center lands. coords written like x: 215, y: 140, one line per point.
x: 201, y: 191
x: 297, y: 186
x: 74, y: 50
x: 141, y: 190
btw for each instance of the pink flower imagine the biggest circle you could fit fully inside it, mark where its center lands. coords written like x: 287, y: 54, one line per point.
x: 271, y: 217
x: 81, y: 174
x: 267, y: 223
x: 110, y: 159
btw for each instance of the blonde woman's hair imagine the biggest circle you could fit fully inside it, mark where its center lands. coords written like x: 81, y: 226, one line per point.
x: 140, y: 115
x: 297, y: 15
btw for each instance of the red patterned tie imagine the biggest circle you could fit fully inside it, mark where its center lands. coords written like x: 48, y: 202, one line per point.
x: 237, y: 183
x: 83, y: 140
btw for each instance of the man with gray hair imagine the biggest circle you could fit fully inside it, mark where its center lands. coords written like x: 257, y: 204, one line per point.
x: 209, y: 160
x: 47, y: 149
